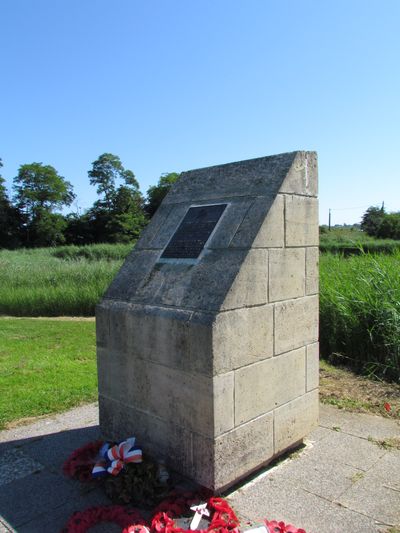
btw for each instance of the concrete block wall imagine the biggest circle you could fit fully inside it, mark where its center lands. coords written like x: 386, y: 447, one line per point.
x: 214, y: 367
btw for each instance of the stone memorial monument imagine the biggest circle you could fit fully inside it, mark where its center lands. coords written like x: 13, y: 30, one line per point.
x: 207, y: 337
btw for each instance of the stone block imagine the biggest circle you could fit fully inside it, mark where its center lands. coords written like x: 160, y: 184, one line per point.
x: 161, y: 439
x: 118, y: 337
x: 102, y: 324
x: 250, y: 286
x: 235, y: 212
x: 295, y: 323
x: 261, y: 387
x: 286, y: 273
x: 169, y: 225
x: 312, y: 270
x: 302, y: 177
x: 183, y: 285
x: 294, y: 420
x: 301, y: 221
x: 233, y: 455
x: 151, y: 230
x: 160, y: 391
x: 223, y: 398
x: 271, y: 233
x: 242, y: 337
x: 312, y: 366
x: 160, y: 335
x: 252, y: 223
x: 255, y: 177
x: 132, y: 275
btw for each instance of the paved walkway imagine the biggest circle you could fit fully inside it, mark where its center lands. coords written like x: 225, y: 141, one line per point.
x: 341, y: 482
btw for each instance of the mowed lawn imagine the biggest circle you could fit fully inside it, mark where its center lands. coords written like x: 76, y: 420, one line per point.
x: 46, y: 366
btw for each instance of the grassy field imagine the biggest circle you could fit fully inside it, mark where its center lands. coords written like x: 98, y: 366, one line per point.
x: 352, y: 241
x: 360, y: 312
x: 65, y: 281
x: 45, y: 366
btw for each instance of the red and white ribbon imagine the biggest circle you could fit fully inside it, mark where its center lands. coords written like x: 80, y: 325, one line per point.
x: 114, y: 458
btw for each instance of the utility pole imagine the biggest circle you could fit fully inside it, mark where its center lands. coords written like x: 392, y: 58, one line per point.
x: 329, y: 223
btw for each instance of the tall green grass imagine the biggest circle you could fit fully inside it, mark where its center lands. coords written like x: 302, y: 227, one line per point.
x: 360, y: 312
x: 92, y: 252
x: 36, y: 283
x: 353, y: 241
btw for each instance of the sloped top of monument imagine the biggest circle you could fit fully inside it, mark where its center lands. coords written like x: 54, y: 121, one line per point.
x: 251, y: 177
x: 206, y: 247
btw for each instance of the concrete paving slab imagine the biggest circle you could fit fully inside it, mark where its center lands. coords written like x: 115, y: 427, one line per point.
x: 52, y: 450
x: 322, y: 478
x: 55, y: 521
x: 348, y: 450
x: 268, y: 498
x: 37, y: 494
x: 358, y: 424
x: 318, y: 434
x: 15, y: 464
x: 377, y: 492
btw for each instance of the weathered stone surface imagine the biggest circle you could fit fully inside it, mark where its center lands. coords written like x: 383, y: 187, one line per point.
x: 183, y: 285
x: 133, y: 273
x: 102, y: 324
x: 164, y: 440
x: 296, y: 323
x: 271, y: 233
x: 263, y: 386
x: 255, y: 177
x: 235, y: 454
x: 312, y: 270
x: 242, y: 337
x: 312, y: 368
x: 236, y: 211
x: 294, y: 420
x: 286, y: 273
x: 252, y: 223
x: 158, y: 220
x: 160, y: 391
x: 301, y: 221
x: 302, y: 177
x: 250, y: 286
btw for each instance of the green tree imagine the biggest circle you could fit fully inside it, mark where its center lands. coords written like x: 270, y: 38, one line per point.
x: 156, y: 193
x: 118, y: 216
x: 105, y: 172
x: 10, y: 219
x: 39, y: 191
x: 372, y: 219
x: 389, y: 227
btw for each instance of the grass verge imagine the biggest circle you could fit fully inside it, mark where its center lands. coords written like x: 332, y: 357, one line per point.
x: 46, y: 366
x: 348, y: 391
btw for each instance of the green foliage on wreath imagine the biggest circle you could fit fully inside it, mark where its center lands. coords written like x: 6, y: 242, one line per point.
x: 136, y: 483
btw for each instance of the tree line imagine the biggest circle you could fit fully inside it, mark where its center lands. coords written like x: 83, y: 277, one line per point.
x: 32, y: 216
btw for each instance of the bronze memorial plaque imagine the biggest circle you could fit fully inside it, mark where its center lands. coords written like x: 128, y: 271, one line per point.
x: 193, y: 232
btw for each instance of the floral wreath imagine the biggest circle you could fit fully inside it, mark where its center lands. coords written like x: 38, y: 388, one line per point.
x: 80, y: 463
x: 82, y: 521
x: 223, y: 519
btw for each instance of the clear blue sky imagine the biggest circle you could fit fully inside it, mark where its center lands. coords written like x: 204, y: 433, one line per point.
x: 171, y: 85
